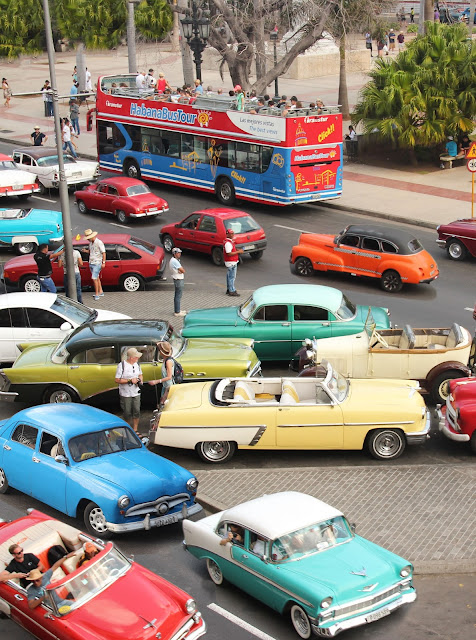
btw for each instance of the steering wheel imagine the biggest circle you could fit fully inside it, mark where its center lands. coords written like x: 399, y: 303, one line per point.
x: 381, y: 339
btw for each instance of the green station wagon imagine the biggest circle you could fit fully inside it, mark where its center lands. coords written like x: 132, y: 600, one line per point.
x: 84, y: 364
x: 279, y: 317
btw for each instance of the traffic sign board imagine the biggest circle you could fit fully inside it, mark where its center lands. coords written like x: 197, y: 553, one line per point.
x: 472, y: 152
x: 471, y: 164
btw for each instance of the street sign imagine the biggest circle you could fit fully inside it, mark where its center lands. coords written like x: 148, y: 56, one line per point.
x: 472, y: 165
x: 472, y: 152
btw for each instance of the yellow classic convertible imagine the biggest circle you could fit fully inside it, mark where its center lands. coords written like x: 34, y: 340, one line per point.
x: 323, y: 412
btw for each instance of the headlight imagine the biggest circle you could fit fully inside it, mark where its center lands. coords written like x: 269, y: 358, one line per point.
x: 190, y: 606
x: 406, y: 571
x: 326, y: 603
x: 192, y: 484
x: 123, y: 502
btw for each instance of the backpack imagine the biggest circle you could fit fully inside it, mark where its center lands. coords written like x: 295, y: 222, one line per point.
x: 178, y: 371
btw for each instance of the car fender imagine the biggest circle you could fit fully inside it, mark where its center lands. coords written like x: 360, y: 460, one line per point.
x: 451, y: 365
x: 402, y: 268
x: 82, y: 486
x: 121, y: 204
x: 18, y: 239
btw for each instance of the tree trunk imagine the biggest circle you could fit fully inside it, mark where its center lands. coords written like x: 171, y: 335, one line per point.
x: 175, y: 39
x: 471, y: 17
x: 81, y: 67
x: 343, y: 94
x: 259, y: 40
x: 429, y: 12
x: 187, y: 65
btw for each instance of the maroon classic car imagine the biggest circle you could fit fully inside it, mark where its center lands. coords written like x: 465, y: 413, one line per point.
x: 458, y: 238
x: 458, y: 417
x: 123, y: 197
x: 130, y: 262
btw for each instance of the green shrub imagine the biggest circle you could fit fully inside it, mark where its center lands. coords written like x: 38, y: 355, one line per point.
x: 412, y: 28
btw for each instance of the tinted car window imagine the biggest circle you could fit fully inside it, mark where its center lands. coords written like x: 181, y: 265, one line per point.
x: 371, y: 243
x: 25, y: 434
x: 126, y: 254
x: 5, y: 318
x: 18, y: 318
x: 305, y: 312
x: 111, y: 252
x: 208, y: 224
x: 99, y: 355
x: 273, y: 312
x: 42, y: 318
x: 143, y: 245
x: 388, y: 247
x: 350, y: 240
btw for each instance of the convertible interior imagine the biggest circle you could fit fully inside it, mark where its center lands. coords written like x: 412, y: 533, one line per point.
x: 426, y: 339
x: 271, y: 391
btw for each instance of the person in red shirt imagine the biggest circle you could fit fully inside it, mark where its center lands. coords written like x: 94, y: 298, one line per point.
x: 231, y: 257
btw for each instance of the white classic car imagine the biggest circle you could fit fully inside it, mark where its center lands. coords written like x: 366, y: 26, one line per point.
x: 432, y: 356
x: 43, y: 161
x: 301, y: 557
x: 14, y: 181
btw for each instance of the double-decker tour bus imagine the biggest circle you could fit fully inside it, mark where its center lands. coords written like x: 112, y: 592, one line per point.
x: 205, y: 143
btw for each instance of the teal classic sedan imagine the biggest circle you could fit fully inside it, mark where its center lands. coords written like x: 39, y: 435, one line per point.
x: 301, y: 557
x: 279, y: 317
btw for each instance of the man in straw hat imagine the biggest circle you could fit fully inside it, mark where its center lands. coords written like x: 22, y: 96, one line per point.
x: 97, y: 260
x: 129, y: 377
x: 36, y: 593
x: 168, y: 366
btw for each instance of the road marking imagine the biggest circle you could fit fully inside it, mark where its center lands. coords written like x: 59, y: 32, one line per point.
x: 241, y: 623
x: 281, y: 226
x: 123, y: 226
x: 44, y: 199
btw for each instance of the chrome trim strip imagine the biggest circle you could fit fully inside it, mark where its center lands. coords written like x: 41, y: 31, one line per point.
x: 257, y: 437
x: 153, y: 522
x: 218, y: 426
x: 372, y: 424
x: 323, y: 424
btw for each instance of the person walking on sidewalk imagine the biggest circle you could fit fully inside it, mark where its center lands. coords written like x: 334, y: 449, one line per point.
x: 43, y: 261
x: 412, y: 16
x: 97, y: 260
x: 38, y: 137
x: 74, y: 115
x: 77, y: 262
x: 178, y: 277
x: 129, y: 378
x: 7, y: 92
x: 231, y: 256
x: 401, y: 41
x: 67, y: 144
x: 368, y: 42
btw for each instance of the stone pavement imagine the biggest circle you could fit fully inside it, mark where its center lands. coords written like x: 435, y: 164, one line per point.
x: 424, y: 196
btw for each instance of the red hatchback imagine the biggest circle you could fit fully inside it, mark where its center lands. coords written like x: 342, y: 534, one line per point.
x: 130, y: 263
x: 123, y: 197
x: 205, y: 231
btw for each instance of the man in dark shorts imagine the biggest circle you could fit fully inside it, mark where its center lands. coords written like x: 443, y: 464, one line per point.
x: 23, y: 563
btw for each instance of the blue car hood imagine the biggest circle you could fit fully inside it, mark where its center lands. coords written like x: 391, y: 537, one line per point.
x: 144, y: 475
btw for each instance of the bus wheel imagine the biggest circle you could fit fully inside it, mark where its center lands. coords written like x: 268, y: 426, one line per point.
x: 131, y: 169
x: 225, y: 191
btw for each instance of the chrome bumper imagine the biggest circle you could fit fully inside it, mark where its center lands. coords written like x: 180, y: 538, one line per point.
x: 446, y: 431
x: 333, y: 630
x: 441, y: 243
x: 149, y: 523
x: 419, y: 437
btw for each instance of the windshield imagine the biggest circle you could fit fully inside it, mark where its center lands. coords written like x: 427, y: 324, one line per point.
x: 8, y: 164
x: 102, y: 443
x: 50, y: 161
x: 74, y: 311
x: 243, y: 224
x: 247, y: 308
x: 347, y: 309
x: 337, y: 385
x: 310, y: 540
x: 13, y: 214
x: 96, y: 575
x: 137, y: 189
x: 370, y: 323
x: 142, y: 244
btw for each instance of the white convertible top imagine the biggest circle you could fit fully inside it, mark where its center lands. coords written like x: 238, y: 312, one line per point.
x: 277, y: 514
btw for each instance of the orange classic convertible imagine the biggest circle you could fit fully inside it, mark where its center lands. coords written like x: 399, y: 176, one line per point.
x: 393, y: 255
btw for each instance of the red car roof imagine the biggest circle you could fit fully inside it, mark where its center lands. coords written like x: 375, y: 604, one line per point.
x: 121, y: 181
x: 222, y: 213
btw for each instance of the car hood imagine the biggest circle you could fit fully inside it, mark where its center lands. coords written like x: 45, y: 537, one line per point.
x: 124, y: 608
x: 15, y: 176
x: 220, y: 316
x: 143, y: 474
x: 335, y: 570
x: 370, y: 399
x: 466, y: 224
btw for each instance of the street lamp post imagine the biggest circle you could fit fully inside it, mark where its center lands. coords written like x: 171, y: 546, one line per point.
x: 273, y: 36
x: 197, y: 31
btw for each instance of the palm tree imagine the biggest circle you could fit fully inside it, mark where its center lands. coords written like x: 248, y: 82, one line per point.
x: 21, y: 27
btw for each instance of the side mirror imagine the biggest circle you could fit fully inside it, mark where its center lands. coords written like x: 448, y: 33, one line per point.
x: 61, y: 459
x: 353, y: 527
x: 177, y: 226
x: 66, y: 326
x: 145, y: 441
x: 336, y: 240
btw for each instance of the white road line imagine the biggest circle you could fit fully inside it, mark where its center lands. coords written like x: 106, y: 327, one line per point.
x: 123, y: 226
x: 281, y: 226
x: 44, y: 199
x: 241, y: 623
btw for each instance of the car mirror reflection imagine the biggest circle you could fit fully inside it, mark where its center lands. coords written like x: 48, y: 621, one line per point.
x: 61, y: 459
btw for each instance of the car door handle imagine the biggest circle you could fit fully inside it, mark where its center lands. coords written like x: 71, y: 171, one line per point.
x: 35, y: 459
x: 74, y: 366
x: 5, y: 446
x: 189, y: 375
x: 285, y: 324
x: 325, y: 324
x: 18, y: 596
x: 245, y: 557
x: 115, y: 266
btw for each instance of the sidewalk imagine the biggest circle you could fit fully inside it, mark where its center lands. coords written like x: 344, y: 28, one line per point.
x: 421, y: 197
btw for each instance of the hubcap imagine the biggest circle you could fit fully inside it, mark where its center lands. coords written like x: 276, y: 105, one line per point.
x: 387, y: 444
x: 304, y: 267
x: 455, y: 250
x: 32, y: 285
x: 60, y: 396
x: 225, y: 191
x: 391, y: 282
x: 132, y: 171
x: 26, y: 247
x: 131, y: 284
x: 97, y: 520
x: 444, y: 389
x: 216, y: 450
x: 214, y: 571
x: 2, y: 478
x: 300, y: 622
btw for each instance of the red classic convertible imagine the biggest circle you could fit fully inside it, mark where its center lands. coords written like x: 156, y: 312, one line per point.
x: 123, y: 197
x: 110, y: 597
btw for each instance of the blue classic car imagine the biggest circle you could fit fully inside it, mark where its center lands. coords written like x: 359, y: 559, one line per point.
x: 88, y: 463
x: 301, y: 557
x: 25, y: 229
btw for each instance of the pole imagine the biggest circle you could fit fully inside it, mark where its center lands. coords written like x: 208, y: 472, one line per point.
x: 63, y: 187
x: 131, y: 37
x: 276, y: 90
x: 472, y: 195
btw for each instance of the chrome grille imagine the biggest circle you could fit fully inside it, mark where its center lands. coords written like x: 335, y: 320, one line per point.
x: 366, y: 603
x: 451, y: 415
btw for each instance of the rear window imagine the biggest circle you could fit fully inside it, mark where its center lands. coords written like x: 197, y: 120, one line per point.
x: 415, y: 246
x: 142, y: 244
x: 50, y: 161
x: 137, y: 189
x: 243, y: 224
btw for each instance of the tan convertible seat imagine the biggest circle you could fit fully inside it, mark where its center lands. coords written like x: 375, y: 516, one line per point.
x: 455, y: 336
x: 244, y: 392
x: 289, y: 394
x: 407, y: 339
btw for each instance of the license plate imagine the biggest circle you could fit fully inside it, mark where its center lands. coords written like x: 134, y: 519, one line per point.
x: 249, y: 246
x: 17, y: 187
x: 169, y: 520
x: 152, y: 209
x: 77, y: 174
x: 376, y: 615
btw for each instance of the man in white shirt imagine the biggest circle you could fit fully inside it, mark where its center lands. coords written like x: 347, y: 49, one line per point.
x: 67, y: 138
x: 89, y: 84
x: 77, y: 262
x: 178, y: 278
x: 129, y: 378
x: 140, y: 80
x: 231, y: 256
x: 150, y: 81
x: 97, y: 260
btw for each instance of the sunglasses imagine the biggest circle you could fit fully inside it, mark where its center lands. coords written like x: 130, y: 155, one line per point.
x: 18, y: 553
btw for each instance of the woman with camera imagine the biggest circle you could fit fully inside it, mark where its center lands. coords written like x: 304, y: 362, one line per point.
x: 130, y: 380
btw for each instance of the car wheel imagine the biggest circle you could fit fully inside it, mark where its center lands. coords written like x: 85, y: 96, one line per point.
x: 30, y: 284
x: 472, y: 442
x: 225, y: 191
x: 22, y: 248
x: 3, y: 482
x: 58, y: 394
x: 300, y: 620
x: 42, y: 189
x: 218, y: 451
x: 131, y: 169
x: 168, y: 243
x: 121, y: 217
x: 214, y: 572
x: 217, y: 256
x: 386, y: 444
x: 82, y: 208
x: 391, y: 281
x: 304, y: 267
x: 132, y: 282
x: 257, y: 255
x: 456, y: 250
x: 441, y: 386
x: 95, y: 521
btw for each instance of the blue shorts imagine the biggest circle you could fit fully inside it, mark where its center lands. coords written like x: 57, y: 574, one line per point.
x: 95, y: 270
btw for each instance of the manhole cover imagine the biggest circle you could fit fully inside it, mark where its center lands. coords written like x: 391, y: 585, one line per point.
x: 6, y: 130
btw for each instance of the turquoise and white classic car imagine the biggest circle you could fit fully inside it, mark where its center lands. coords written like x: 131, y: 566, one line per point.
x: 301, y: 557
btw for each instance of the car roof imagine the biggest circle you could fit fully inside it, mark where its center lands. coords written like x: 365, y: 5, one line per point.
x: 38, y: 152
x: 108, y: 238
x: 123, y: 181
x: 219, y: 212
x: 277, y: 514
x: 398, y: 236
x: 128, y: 331
x: 68, y: 420
x: 41, y: 300
x: 299, y: 294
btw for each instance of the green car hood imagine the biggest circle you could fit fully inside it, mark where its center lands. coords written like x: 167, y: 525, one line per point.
x: 223, y: 357
x: 221, y: 316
